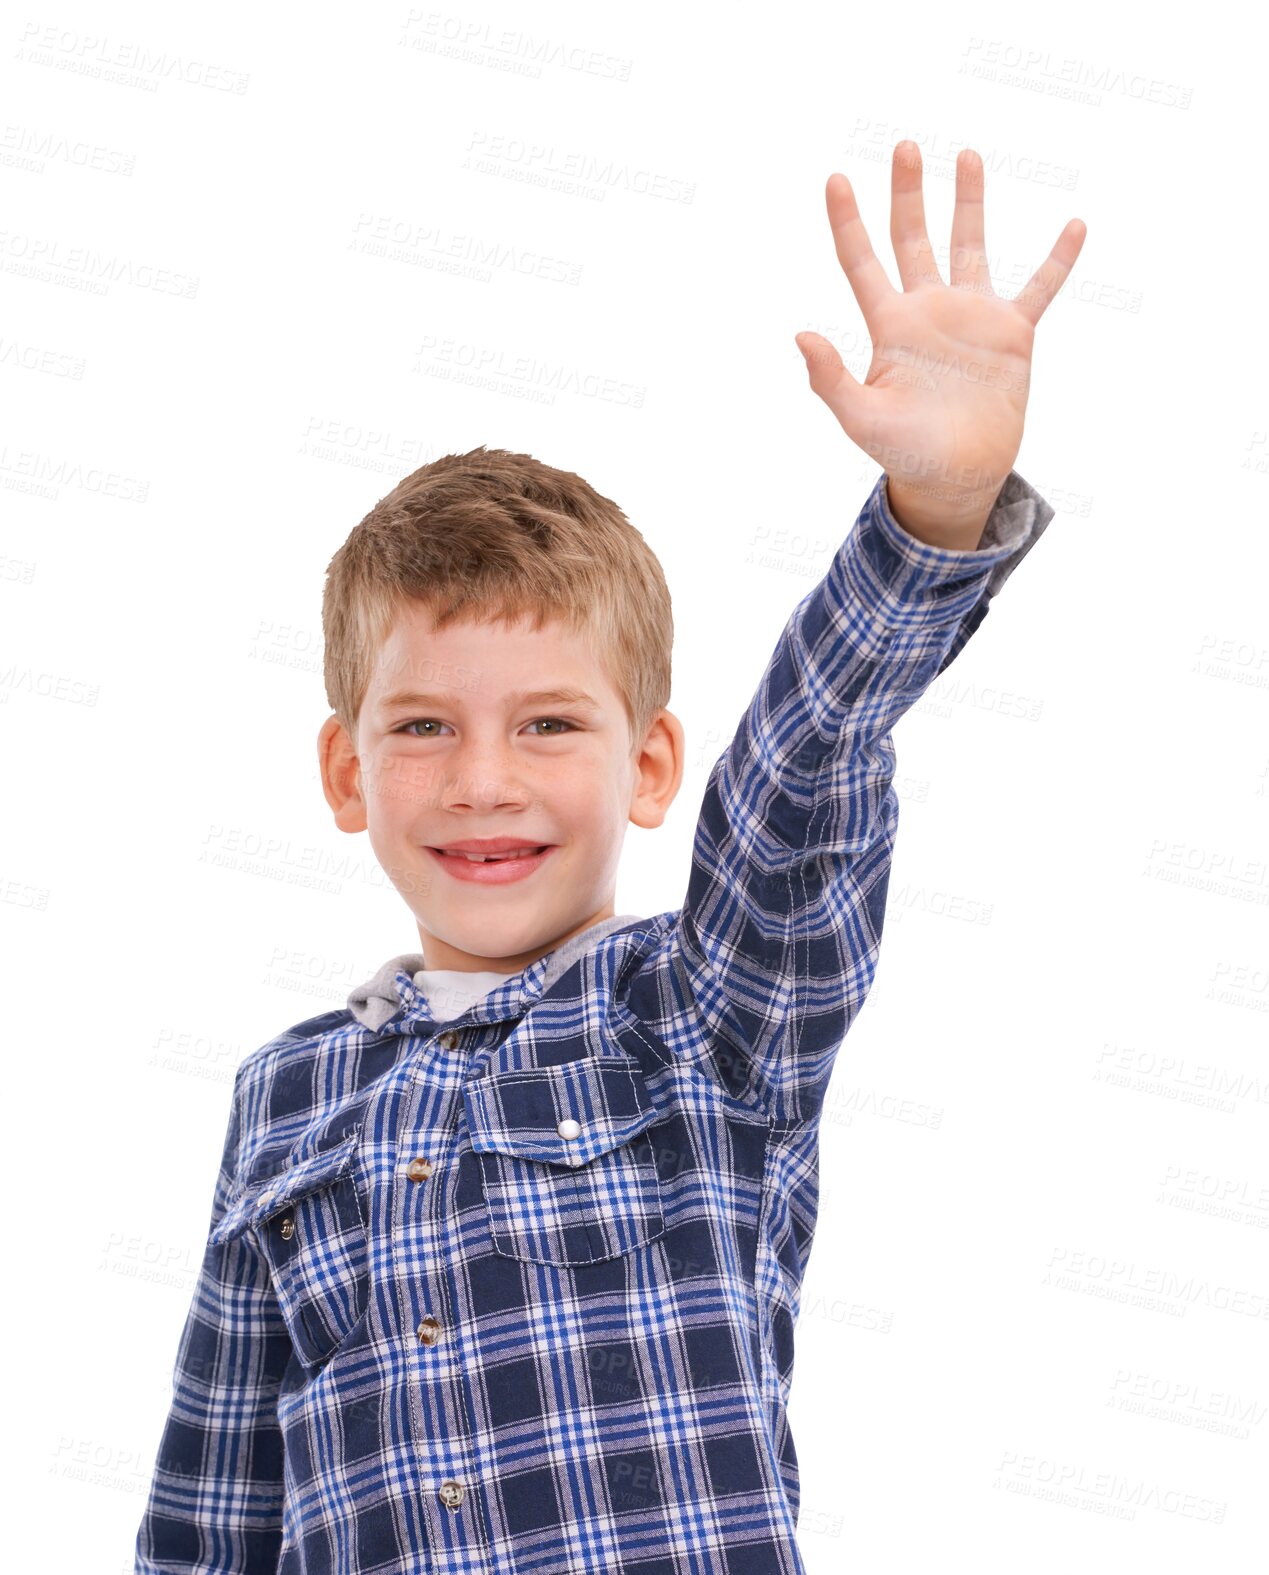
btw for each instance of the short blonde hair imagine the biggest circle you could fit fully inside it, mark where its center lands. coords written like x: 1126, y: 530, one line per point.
x: 494, y: 535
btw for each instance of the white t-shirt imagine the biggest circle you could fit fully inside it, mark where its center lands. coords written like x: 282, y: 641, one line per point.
x: 450, y: 991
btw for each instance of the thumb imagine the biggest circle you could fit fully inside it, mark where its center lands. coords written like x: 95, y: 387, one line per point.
x: 841, y: 392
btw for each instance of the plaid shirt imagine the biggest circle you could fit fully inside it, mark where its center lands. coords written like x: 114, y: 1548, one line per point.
x: 512, y: 1290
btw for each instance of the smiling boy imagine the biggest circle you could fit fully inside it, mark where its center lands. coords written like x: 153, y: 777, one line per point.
x: 505, y: 1257
x: 459, y: 766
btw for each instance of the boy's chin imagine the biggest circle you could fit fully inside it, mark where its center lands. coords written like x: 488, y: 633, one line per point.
x: 488, y: 941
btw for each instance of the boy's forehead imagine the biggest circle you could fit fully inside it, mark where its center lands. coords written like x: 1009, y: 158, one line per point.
x: 414, y: 633
x: 488, y: 656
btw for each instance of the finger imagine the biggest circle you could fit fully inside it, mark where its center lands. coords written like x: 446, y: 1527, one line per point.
x: 1051, y: 275
x: 854, y: 250
x: 908, y: 234
x: 968, y: 266
x: 840, y: 391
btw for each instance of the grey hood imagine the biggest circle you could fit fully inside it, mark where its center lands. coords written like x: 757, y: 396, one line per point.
x: 374, y: 1002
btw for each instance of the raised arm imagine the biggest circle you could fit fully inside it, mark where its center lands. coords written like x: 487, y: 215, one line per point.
x: 776, y: 944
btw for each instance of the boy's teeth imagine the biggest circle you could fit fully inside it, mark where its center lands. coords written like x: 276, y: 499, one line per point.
x: 487, y: 858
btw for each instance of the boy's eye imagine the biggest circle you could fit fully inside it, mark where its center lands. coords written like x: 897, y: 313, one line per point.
x: 557, y: 722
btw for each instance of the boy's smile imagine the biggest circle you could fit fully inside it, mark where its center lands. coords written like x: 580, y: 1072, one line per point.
x: 490, y: 868
x: 499, y: 739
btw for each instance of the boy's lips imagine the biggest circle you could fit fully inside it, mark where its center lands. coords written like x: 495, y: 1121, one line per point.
x: 515, y: 861
x: 490, y: 845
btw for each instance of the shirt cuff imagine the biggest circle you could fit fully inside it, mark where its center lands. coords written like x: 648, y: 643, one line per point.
x: 914, y: 582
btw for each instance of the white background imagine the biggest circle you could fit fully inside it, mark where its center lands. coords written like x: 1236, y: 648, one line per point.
x: 1033, y: 1325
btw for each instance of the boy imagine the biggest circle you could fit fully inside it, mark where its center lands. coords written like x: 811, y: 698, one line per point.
x: 504, y: 1258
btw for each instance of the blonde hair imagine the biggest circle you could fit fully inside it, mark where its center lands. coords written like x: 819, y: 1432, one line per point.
x: 493, y: 535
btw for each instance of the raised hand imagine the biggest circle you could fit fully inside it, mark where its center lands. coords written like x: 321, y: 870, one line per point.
x: 941, y: 409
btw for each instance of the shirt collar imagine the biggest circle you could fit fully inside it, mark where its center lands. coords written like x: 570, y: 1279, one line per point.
x: 391, y: 1002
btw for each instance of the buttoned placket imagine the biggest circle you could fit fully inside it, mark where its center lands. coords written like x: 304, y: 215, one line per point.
x: 454, y: 1515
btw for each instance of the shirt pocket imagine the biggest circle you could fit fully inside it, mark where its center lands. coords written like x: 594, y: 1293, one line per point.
x: 308, y: 1222
x: 552, y: 1197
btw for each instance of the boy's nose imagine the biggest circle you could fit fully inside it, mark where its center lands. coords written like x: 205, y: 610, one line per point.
x: 486, y: 784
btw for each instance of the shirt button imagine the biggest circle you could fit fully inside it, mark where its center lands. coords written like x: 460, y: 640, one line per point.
x: 419, y: 1169
x: 429, y: 1331
x: 568, y: 1128
x: 288, y: 1227
x: 451, y: 1494
x: 449, y: 1041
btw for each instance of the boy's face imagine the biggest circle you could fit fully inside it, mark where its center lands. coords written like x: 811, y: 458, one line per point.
x: 474, y: 757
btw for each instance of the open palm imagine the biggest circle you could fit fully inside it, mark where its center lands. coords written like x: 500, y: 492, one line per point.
x: 941, y: 408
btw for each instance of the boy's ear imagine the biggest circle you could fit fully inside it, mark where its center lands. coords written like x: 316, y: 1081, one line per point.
x: 341, y: 775
x: 658, y: 770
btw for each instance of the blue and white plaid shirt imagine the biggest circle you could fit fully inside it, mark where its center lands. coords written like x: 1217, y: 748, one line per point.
x: 512, y: 1290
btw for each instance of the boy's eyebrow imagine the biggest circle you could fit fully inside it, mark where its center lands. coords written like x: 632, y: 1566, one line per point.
x: 424, y: 702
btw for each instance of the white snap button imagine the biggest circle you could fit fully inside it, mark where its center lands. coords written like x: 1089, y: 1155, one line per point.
x: 568, y: 1128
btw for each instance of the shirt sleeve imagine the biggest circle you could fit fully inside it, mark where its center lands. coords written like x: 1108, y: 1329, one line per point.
x: 776, y: 944
x: 215, y: 1498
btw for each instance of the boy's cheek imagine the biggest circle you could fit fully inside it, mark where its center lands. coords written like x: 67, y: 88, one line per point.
x: 397, y: 777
